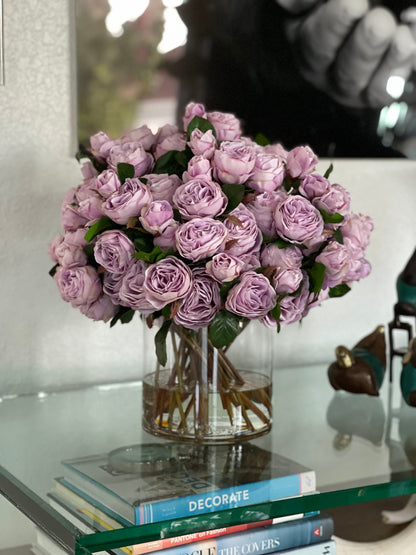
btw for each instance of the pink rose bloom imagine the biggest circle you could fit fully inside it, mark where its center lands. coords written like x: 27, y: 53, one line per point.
x: 101, y: 144
x: 202, y: 144
x: 72, y: 219
x: 226, y: 125
x: 268, y: 173
x: 128, y: 201
x: 113, y: 251
x: 177, y: 141
x: 244, y: 235
x: 278, y: 150
x: 142, y: 135
x: 250, y: 260
x: 200, y: 197
x: 300, y: 162
x: 298, y: 221
x: 111, y: 286
x: 86, y: 190
x: 88, y: 171
x: 263, y: 207
x: 167, y: 239
x: 336, y: 259
x: 314, y: 185
x: 358, y: 269
x: 200, y: 238
x: 357, y: 228
x: 167, y: 281
x: 131, y: 291
x: 69, y: 255
x: 294, y: 308
x: 76, y: 238
x: 79, y: 285
x: 198, y: 166
x: 100, y: 310
x: 91, y: 208
x: 131, y: 153
x: 287, y: 280
x: 165, y: 131
x: 336, y: 199
x: 234, y: 162
x: 162, y: 186
x: 107, y: 183
x: 289, y: 257
x: 252, y: 296
x: 224, y: 267
x: 156, y: 216
x: 200, y: 306
x: 192, y: 109
x: 53, y: 246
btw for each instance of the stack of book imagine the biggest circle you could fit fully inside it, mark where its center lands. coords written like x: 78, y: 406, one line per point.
x: 168, y: 483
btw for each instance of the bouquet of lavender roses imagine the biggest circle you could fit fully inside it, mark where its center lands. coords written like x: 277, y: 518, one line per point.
x: 204, y: 228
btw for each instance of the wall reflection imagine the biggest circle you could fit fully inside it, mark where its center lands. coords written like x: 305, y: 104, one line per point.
x: 266, y: 61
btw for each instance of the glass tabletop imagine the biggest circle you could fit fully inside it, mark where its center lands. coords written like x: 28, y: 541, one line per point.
x: 362, y: 448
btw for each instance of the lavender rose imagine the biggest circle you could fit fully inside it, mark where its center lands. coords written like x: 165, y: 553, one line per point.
x: 200, y: 306
x: 72, y: 219
x: 252, y: 297
x: 79, y: 285
x: 113, y: 251
x: 177, y: 141
x: 200, y: 197
x: 263, y: 206
x: 244, y: 236
x: 88, y: 171
x: 224, y: 267
x: 359, y: 268
x: 289, y: 257
x: 234, y: 161
x: 162, y: 186
x: 300, y: 162
x: 91, y: 208
x: 167, y: 239
x: 107, y: 183
x: 111, y: 286
x: 298, y: 221
x: 192, y: 109
x: 202, y: 144
x: 131, y: 153
x: 131, y: 292
x: 200, y: 238
x: 278, y: 150
x: 157, y: 216
x: 357, y: 228
x: 69, y: 255
x: 294, y: 308
x: 226, y: 125
x: 102, y: 309
x: 336, y: 199
x: 142, y: 135
x: 314, y: 185
x: 268, y: 173
x: 336, y: 259
x: 167, y: 281
x: 101, y: 144
x: 128, y: 201
x: 198, y: 166
x: 53, y: 246
x: 287, y: 280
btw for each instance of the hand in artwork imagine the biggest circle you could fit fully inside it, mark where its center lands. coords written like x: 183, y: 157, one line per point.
x: 349, y: 49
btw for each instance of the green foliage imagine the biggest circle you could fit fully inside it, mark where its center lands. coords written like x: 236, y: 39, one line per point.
x: 235, y: 193
x: 103, y: 224
x: 160, y: 342
x: 200, y: 123
x: 124, y: 316
x: 154, y: 256
x: 275, y: 313
x: 339, y: 290
x: 261, y: 139
x: 329, y: 171
x: 335, y: 218
x: 224, y: 329
x: 316, y: 276
x: 172, y: 162
x: 125, y: 171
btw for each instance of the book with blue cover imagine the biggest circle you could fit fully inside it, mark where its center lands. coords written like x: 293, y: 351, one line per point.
x: 177, y: 480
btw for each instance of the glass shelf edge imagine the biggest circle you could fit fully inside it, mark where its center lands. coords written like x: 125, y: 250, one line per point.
x: 273, y: 509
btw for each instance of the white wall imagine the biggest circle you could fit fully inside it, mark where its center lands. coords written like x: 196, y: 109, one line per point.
x: 44, y: 343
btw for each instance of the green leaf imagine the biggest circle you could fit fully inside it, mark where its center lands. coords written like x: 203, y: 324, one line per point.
x: 200, y: 123
x: 339, y: 290
x: 103, y: 224
x: 261, y: 139
x: 160, y: 342
x: 338, y: 236
x: 153, y: 256
x: 275, y: 313
x: 316, y: 276
x: 329, y: 171
x: 235, y: 193
x: 335, y: 218
x: 143, y: 243
x: 125, y: 171
x: 225, y: 287
x: 52, y: 271
x: 124, y: 316
x: 168, y: 163
x: 224, y: 329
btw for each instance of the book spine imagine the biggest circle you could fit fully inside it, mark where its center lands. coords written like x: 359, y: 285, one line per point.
x: 263, y: 540
x: 227, y: 498
x: 166, y: 543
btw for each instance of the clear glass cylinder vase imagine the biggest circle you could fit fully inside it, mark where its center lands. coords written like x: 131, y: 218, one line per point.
x: 209, y: 395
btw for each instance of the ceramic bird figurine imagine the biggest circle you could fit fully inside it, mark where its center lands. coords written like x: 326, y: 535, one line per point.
x: 361, y: 369
x: 408, y: 375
